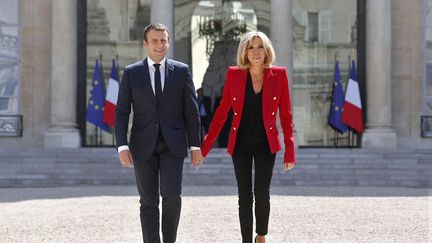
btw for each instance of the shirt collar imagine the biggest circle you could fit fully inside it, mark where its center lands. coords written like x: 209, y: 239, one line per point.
x: 151, y: 62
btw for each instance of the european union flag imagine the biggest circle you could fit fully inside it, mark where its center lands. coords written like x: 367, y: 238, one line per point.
x: 96, y: 100
x: 336, y: 108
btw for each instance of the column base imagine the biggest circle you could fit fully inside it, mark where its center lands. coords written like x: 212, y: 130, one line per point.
x: 379, y: 138
x: 62, y: 139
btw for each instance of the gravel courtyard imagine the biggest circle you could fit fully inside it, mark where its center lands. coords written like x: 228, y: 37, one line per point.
x: 298, y: 214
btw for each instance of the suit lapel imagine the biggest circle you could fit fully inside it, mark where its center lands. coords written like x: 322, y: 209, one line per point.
x: 147, y: 82
x: 169, y: 79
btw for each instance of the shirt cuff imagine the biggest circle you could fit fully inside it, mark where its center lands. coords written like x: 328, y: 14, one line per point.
x: 193, y: 148
x: 122, y: 148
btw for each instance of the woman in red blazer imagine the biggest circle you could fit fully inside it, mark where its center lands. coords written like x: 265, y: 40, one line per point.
x: 255, y: 90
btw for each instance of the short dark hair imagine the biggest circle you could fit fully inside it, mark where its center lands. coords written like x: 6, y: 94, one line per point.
x: 157, y: 27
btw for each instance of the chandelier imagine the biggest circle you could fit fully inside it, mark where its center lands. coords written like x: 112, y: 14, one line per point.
x: 226, y: 22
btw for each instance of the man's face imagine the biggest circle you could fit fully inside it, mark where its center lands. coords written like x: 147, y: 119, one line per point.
x: 156, y: 45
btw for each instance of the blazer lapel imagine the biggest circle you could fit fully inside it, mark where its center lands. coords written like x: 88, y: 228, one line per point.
x: 147, y: 82
x: 267, y: 88
x: 241, y: 88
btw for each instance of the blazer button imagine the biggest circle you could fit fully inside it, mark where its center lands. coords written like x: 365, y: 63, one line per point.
x: 273, y: 113
x: 271, y: 128
x: 234, y: 98
x: 274, y: 98
x: 235, y: 113
x: 234, y: 128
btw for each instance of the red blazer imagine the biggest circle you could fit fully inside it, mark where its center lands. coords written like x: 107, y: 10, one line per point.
x: 275, y: 95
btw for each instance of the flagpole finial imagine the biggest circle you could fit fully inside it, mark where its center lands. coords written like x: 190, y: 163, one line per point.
x: 98, y: 54
x: 114, y: 53
x: 353, y: 54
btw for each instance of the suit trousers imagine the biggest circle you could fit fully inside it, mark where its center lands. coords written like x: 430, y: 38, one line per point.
x: 161, y: 172
x: 243, y: 157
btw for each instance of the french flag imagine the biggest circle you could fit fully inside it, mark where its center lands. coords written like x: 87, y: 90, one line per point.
x: 352, y: 109
x: 111, y: 97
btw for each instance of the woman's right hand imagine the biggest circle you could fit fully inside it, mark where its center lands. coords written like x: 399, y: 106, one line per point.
x: 288, y: 166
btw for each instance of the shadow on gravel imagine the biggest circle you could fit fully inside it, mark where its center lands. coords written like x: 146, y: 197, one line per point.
x: 36, y: 193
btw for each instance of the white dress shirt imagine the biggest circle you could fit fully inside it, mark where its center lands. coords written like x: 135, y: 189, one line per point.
x: 152, y: 71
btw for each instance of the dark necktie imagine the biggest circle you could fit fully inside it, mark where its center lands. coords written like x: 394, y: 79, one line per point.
x: 158, y: 84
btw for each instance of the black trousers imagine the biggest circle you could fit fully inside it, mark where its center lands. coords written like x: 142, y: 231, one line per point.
x: 264, y: 161
x: 161, y: 171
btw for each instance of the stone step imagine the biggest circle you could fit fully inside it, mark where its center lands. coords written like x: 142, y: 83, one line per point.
x: 326, y: 167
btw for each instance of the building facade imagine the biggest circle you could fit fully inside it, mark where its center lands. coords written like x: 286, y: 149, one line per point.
x: 48, y: 51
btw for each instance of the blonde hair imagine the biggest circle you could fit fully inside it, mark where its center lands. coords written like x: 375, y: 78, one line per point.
x: 245, y: 42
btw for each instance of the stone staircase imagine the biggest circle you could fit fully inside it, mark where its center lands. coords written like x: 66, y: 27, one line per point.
x: 31, y: 167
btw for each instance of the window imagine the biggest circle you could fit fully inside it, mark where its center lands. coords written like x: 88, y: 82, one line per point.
x: 113, y: 36
x: 427, y: 110
x: 323, y: 33
x: 9, y: 56
x: 312, y: 27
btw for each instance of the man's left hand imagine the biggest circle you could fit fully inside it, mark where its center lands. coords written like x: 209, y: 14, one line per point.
x: 196, y: 158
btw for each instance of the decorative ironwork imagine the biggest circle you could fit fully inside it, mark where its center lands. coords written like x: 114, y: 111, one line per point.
x: 426, y: 126
x: 8, y: 43
x: 11, y: 125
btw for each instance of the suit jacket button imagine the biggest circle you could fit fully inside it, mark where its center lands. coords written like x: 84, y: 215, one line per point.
x: 157, y: 125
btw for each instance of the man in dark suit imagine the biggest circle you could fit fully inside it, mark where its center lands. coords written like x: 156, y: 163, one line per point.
x: 165, y: 122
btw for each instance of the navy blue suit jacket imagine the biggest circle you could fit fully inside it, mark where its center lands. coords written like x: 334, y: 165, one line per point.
x: 176, y: 115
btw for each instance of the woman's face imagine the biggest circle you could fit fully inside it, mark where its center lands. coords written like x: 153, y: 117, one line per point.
x: 256, y: 52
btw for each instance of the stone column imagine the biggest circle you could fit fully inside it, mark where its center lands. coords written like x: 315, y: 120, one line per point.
x: 281, y: 23
x: 379, y: 132
x: 63, y: 130
x: 162, y: 11
x: 124, y: 13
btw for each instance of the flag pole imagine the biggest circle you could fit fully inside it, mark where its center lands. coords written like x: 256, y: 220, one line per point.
x: 335, y: 136
x: 115, y: 58
x: 98, y: 57
x: 352, y: 59
x: 349, y: 129
x: 99, y: 135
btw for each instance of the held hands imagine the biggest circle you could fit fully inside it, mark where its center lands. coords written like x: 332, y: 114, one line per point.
x: 125, y: 158
x: 288, y: 166
x: 196, y: 158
